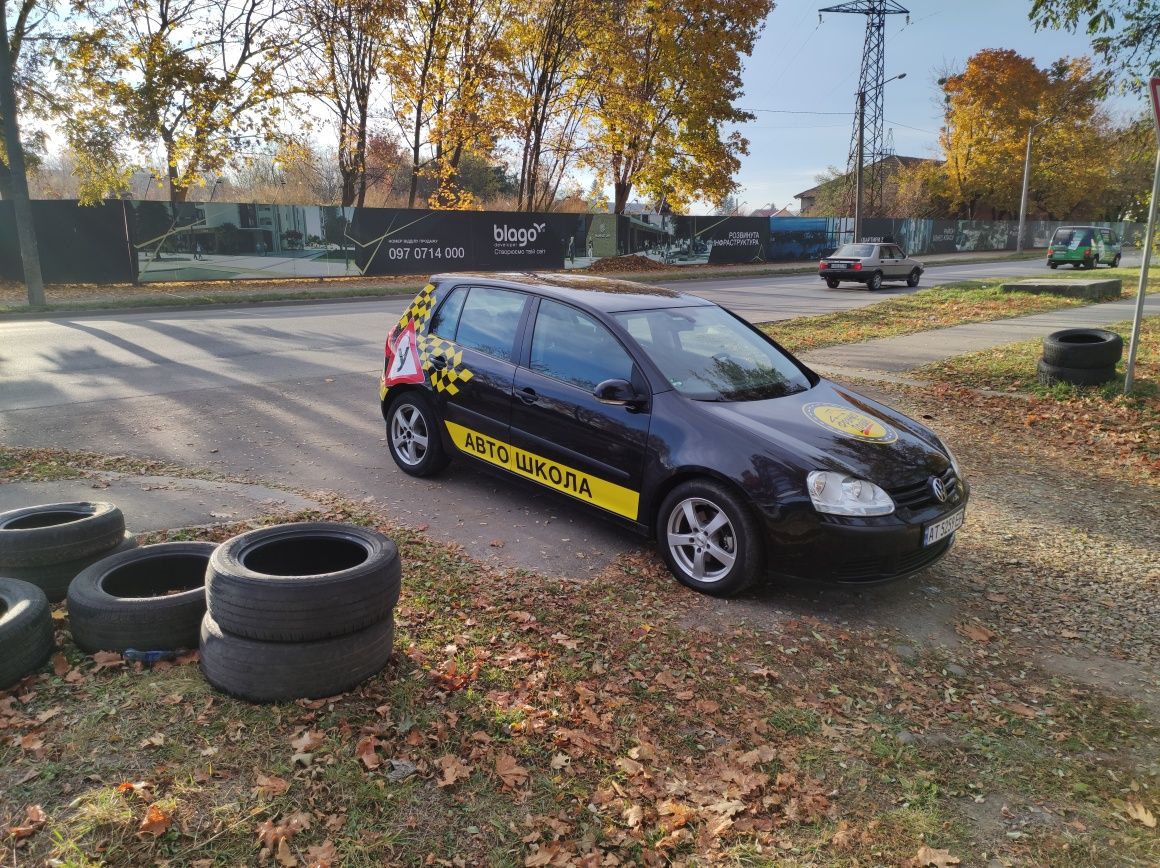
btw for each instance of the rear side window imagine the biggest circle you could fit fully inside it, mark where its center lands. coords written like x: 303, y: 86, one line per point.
x: 446, y: 317
x: 489, y: 320
x: 571, y: 346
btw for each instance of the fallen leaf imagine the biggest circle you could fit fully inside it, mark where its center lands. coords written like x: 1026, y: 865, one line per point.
x: 633, y: 815
x: 1138, y: 812
x: 322, y: 855
x: 928, y: 857
x: 366, y: 752
x: 156, y: 822
x: 31, y: 742
x: 271, y: 785
x: 561, y: 761
x: 155, y: 740
x: 107, y: 660
x: 284, y: 856
x: 975, y: 632
x: 510, y: 772
x: 453, y: 770
x: 308, y: 741
x: 59, y: 664
x: 843, y: 836
x: 1021, y: 709
x: 34, y: 818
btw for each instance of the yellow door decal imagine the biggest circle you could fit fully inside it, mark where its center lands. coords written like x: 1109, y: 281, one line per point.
x: 590, y: 489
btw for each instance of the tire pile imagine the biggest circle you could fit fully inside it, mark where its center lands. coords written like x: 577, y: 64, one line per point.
x: 1082, y: 357
x: 299, y: 611
x: 292, y: 611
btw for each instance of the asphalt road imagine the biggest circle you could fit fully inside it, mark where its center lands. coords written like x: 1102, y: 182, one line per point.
x: 288, y: 395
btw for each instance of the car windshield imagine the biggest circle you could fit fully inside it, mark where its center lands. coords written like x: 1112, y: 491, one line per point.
x: 855, y: 251
x: 708, y: 355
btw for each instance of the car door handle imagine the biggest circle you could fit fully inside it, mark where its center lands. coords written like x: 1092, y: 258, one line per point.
x: 439, y: 362
x: 528, y: 395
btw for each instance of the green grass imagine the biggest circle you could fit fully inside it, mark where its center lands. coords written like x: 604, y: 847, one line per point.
x: 935, y: 308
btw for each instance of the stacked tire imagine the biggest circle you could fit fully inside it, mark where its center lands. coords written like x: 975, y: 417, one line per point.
x: 1081, y: 356
x: 25, y: 630
x: 299, y: 611
x: 147, y: 599
x: 50, y: 544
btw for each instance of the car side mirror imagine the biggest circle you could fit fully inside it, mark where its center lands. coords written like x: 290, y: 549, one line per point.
x: 617, y: 392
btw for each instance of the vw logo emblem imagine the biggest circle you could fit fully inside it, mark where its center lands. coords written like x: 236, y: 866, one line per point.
x: 939, y: 489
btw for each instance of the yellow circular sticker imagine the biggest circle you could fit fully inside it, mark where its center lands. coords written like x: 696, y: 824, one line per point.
x: 850, y: 422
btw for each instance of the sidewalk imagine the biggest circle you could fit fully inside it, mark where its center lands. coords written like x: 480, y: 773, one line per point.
x: 885, y: 357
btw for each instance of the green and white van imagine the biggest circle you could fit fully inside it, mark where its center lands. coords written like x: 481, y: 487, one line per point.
x: 1083, y: 247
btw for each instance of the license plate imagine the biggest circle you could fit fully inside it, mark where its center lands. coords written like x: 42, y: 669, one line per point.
x: 940, y: 529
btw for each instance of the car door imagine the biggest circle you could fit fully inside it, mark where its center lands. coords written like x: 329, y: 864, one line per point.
x: 898, y: 267
x: 469, y: 354
x: 561, y: 435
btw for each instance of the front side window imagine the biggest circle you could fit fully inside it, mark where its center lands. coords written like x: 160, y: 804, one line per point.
x: 708, y: 355
x: 489, y: 320
x: 571, y: 346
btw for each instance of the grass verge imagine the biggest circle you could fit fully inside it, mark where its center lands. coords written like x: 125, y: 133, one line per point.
x: 627, y: 726
x: 935, y: 308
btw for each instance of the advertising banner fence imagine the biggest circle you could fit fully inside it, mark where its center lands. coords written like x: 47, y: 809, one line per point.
x: 126, y: 241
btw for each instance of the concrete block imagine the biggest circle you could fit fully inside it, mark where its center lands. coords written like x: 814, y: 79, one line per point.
x: 1093, y: 288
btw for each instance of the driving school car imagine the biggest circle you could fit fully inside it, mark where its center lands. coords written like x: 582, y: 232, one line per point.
x: 676, y: 417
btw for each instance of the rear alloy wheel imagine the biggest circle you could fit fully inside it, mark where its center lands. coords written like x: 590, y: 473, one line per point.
x: 912, y: 278
x: 709, y: 538
x: 875, y: 281
x: 832, y: 282
x: 413, y: 436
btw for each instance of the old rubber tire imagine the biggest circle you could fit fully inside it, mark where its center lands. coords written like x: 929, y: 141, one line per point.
x: 54, y: 579
x: 701, y: 522
x: 302, y: 582
x: 150, y: 599
x: 54, y: 532
x: 1053, y: 265
x: 1116, y: 261
x: 1083, y: 348
x: 832, y: 282
x: 875, y: 281
x: 413, y: 435
x: 1049, y: 375
x: 913, y: 278
x: 280, y: 671
x: 25, y: 630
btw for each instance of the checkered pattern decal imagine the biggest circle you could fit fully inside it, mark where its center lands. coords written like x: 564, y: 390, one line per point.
x: 448, y: 379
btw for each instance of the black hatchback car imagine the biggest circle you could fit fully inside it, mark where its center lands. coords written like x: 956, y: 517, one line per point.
x: 674, y: 415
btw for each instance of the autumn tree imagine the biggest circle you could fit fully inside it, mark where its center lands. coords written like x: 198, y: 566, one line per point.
x: 197, y: 79
x: 658, y: 112
x: 342, y: 67
x: 32, y: 43
x: 1125, y: 33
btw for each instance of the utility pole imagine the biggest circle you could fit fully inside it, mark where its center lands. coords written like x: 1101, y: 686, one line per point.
x: 861, y: 166
x: 25, y: 232
x: 1026, y: 188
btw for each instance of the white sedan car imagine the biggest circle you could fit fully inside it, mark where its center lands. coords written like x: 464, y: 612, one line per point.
x: 871, y: 263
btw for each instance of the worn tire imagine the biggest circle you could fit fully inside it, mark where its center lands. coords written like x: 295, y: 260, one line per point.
x: 25, y: 630
x: 303, y: 582
x: 54, y: 579
x: 1083, y: 348
x: 741, y: 537
x: 1049, y: 375
x: 280, y: 671
x: 150, y: 599
x: 53, y: 532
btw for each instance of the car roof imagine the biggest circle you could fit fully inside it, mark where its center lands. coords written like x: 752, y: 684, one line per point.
x: 603, y: 294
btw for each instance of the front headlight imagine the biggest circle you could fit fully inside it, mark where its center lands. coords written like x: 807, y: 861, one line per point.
x: 839, y: 494
x: 954, y: 461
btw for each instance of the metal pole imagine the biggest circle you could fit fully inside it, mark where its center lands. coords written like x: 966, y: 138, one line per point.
x: 1026, y: 190
x: 861, y: 166
x: 1149, y: 234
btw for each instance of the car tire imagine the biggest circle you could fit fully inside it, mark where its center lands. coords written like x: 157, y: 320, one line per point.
x: 25, y: 630
x: 1053, y: 265
x: 832, y: 282
x: 1049, y: 375
x: 50, y: 533
x: 875, y: 281
x: 1083, y: 348
x: 913, y: 278
x: 409, y: 418
x: 54, y: 579
x: 282, y: 671
x: 700, y: 518
x: 1116, y: 261
x: 303, y: 582
x: 150, y: 599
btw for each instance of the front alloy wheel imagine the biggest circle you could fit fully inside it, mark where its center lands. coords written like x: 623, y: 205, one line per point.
x: 709, y: 539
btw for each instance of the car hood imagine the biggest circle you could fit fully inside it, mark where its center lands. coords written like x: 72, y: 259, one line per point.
x: 832, y: 428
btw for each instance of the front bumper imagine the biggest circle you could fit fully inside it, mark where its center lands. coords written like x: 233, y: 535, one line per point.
x: 805, y: 545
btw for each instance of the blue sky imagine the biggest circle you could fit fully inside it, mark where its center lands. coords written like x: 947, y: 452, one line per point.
x: 799, y: 65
